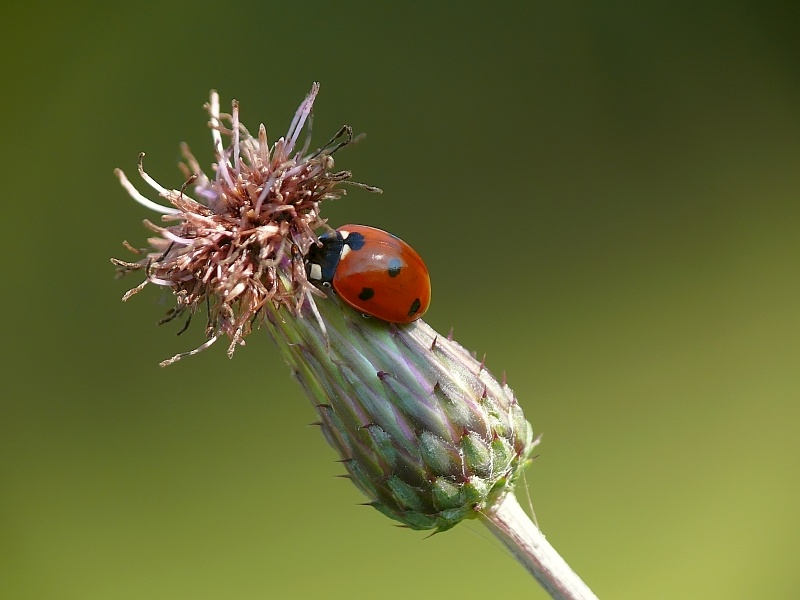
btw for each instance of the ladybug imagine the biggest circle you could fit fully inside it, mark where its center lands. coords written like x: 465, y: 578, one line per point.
x: 373, y: 271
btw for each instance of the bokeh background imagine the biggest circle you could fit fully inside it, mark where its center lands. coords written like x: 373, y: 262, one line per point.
x: 608, y: 197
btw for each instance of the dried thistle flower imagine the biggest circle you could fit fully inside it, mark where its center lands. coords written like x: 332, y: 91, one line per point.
x: 423, y: 429
x: 254, y: 219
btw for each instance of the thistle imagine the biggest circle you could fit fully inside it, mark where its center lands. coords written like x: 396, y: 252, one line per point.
x: 421, y: 426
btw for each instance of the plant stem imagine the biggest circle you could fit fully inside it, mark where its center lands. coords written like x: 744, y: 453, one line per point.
x: 513, y: 527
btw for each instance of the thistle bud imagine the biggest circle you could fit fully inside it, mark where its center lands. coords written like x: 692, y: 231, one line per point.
x: 422, y: 427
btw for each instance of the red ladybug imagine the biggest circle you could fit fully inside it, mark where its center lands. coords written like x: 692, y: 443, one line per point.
x: 373, y: 271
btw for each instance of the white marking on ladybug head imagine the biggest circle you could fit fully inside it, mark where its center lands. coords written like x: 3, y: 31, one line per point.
x: 315, y: 272
x: 345, y: 251
x: 344, y: 234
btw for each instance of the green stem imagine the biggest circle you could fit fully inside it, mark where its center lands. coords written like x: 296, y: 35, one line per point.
x: 509, y: 523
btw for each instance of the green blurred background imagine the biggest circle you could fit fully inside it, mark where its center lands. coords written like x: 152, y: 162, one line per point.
x: 607, y: 196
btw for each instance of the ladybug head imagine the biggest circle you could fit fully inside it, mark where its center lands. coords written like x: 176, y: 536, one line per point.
x: 322, y: 260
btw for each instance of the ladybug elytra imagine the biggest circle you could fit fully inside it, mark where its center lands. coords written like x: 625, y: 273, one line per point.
x: 373, y: 271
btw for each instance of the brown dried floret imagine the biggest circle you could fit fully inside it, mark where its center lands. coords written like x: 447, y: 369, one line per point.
x: 225, y: 246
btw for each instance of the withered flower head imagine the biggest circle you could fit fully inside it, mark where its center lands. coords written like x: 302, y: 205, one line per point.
x: 224, y: 246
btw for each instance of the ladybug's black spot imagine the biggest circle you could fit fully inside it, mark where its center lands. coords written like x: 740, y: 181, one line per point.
x: 415, y: 306
x: 367, y: 293
x: 355, y: 241
x: 395, y: 265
